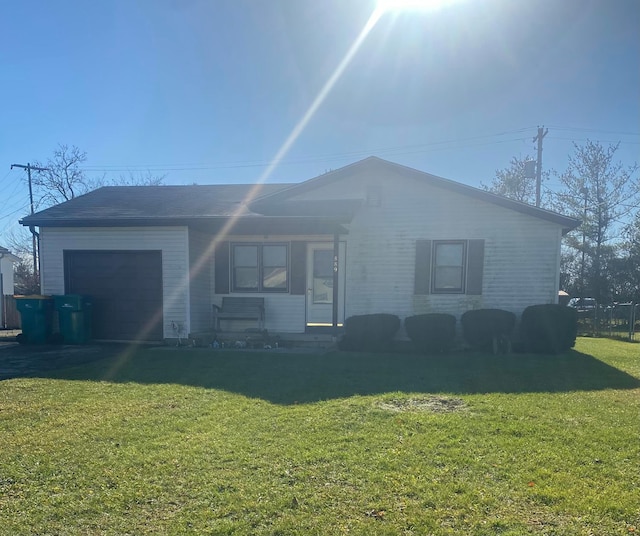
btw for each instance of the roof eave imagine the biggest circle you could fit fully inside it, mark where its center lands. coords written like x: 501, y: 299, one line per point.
x: 247, y: 224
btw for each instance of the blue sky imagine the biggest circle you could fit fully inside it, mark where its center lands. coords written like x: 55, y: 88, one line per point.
x: 207, y: 91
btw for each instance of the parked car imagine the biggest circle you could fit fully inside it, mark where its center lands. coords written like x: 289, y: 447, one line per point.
x: 583, y: 304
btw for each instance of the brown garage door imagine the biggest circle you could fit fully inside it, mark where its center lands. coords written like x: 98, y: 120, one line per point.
x: 126, y: 291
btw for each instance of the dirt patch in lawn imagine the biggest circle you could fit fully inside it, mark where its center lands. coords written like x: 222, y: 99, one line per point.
x: 433, y: 404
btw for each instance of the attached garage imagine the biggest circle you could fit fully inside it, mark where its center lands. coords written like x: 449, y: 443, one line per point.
x: 126, y: 291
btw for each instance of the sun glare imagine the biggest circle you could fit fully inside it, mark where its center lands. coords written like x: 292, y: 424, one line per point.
x: 406, y: 5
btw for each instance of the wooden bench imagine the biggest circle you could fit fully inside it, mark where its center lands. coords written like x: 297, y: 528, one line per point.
x: 239, y: 308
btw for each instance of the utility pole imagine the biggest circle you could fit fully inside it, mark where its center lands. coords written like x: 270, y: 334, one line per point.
x: 29, y: 167
x: 539, y: 137
x: 585, y: 192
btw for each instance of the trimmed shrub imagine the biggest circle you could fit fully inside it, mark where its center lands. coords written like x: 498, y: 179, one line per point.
x: 549, y: 328
x: 369, y: 332
x: 431, y: 333
x: 482, y: 328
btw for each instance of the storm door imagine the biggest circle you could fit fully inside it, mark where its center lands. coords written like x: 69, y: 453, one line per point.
x: 320, y: 268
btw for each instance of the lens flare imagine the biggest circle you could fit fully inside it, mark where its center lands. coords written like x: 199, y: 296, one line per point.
x: 404, y: 5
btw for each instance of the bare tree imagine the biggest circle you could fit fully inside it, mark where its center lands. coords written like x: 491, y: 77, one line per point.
x: 26, y: 282
x: 19, y: 242
x: 139, y: 179
x: 63, y: 177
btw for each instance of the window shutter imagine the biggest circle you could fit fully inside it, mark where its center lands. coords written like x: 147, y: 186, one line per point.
x: 475, y: 266
x: 423, y: 267
x: 298, y: 268
x: 221, y: 275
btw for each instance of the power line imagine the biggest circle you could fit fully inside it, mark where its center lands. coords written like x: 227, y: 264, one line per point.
x: 599, y: 141
x: 399, y: 150
x: 23, y: 207
x: 578, y: 129
x: 453, y: 147
x: 395, y: 151
x: 8, y: 173
x: 402, y: 149
x: 20, y: 209
x: 9, y: 229
x: 10, y: 197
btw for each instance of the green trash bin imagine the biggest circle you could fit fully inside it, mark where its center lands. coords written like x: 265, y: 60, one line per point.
x: 36, y: 313
x: 74, y: 316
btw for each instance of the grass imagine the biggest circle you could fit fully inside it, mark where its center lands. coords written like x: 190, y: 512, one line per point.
x: 203, y: 442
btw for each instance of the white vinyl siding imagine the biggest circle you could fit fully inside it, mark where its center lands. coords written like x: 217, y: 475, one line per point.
x: 6, y: 269
x: 200, y: 280
x: 172, y: 241
x: 6, y: 283
x: 521, y: 252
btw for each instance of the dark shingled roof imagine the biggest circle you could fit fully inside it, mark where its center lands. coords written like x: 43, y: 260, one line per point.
x: 187, y: 205
x: 274, y: 202
x: 155, y: 202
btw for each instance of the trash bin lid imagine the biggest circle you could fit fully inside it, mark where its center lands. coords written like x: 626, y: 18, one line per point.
x: 72, y: 302
x: 34, y: 302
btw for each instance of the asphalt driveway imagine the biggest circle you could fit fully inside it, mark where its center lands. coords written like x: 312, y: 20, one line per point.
x: 24, y: 360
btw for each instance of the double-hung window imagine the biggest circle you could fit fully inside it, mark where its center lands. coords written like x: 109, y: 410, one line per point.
x: 449, y: 266
x: 260, y: 267
x: 449, y: 260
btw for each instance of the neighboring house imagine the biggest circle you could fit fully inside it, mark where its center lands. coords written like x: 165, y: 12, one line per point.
x: 371, y: 237
x: 6, y: 282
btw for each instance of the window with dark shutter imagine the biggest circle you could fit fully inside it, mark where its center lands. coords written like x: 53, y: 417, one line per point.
x: 475, y: 266
x: 449, y: 267
x: 423, y: 267
x: 221, y: 267
x: 298, y: 268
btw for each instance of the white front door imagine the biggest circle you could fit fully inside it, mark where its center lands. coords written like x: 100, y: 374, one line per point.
x: 320, y: 266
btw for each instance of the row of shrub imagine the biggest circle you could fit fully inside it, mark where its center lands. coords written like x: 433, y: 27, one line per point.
x: 546, y: 328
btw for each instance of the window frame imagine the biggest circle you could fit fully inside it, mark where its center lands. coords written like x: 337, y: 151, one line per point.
x: 260, y: 268
x: 434, y: 267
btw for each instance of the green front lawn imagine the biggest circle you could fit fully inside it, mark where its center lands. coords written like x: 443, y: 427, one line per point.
x: 185, y: 441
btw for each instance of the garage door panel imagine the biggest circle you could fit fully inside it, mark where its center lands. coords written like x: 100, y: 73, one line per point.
x: 126, y: 290
x: 145, y: 285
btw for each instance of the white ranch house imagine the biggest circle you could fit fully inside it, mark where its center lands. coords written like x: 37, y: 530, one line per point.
x: 371, y: 237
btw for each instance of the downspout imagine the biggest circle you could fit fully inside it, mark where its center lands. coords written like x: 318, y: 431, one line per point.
x: 36, y: 237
